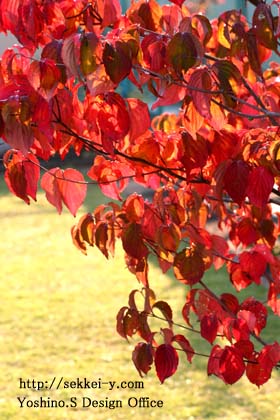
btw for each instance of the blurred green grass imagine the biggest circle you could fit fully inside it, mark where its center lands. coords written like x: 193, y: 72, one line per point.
x: 57, y: 318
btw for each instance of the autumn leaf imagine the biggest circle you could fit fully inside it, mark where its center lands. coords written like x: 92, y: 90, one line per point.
x: 166, y: 361
x: 133, y: 243
x: 259, y: 187
x: 117, y: 61
x: 66, y: 187
x: 189, y: 266
x: 209, y: 327
x: 236, y: 180
x: 200, y: 86
x: 184, y: 51
x: 185, y: 345
x: 231, y: 365
x: 142, y: 357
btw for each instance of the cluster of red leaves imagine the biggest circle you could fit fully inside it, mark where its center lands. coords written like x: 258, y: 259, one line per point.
x: 217, y: 157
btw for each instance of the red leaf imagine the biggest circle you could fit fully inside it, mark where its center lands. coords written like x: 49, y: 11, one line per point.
x: 139, y: 115
x: 17, y: 134
x: 142, y: 357
x: 66, y: 187
x: 253, y: 263
x: 245, y: 347
x: 239, y: 278
x: 101, y: 237
x: 49, y: 183
x: 236, y: 180
x: 133, y: 243
x: 166, y: 361
x: 260, y: 184
x: 209, y: 327
x: 117, y: 61
x: 178, y: 2
x: 113, y: 117
x: 264, y: 26
x: 247, y: 232
x: 168, y: 237
x: 185, y: 345
x: 87, y: 228
x: 22, y: 174
x: 200, y: 81
x: 139, y: 268
x: 213, y: 367
x: 259, y: 371
x: 248, y: 317
x: 231, y: 365
x: 127, y: 322
x: 143, y: 329
x: 78, y: 240
x: 258, y: 310
x: 73, y: 189
x: 189, y: 266
x: 134, y: 207
x: 112, y: 12
x: 230, y: 301
x: 169, y: 95
x: 184, y: 51
x: 166, y: 311
x: 69, y: 54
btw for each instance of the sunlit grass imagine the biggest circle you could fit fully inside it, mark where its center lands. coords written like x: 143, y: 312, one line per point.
x: 57, y: 318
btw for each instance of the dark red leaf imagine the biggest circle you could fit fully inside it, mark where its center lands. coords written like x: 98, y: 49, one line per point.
x: 264, y: 26
x: 142, y: 357
x: 117, y: 61
x: 143, y: 328
x: 184, y: 51
x: 101, y: 237
x: 259, y: 187
x: 166, y: 361
x: 133, y: 242
x: 166, y: 311
x: 230, y: 301
x: 127, y: 322
x: 22, y: 174
x: 236, y: 180
x: 189, y: 266
x: 185, y: 345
